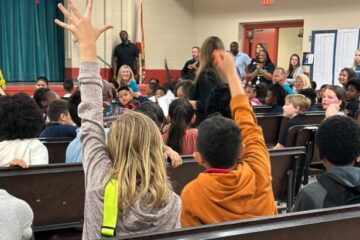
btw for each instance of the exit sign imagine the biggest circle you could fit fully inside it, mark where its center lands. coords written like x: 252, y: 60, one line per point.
x: 267, y: 2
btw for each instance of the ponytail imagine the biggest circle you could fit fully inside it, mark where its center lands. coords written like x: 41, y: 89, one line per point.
x: 181, y: 113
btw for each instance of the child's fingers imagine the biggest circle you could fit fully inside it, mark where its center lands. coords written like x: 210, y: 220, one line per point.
x: 66, y: 13
x: 88, y: 11
x: 104, y: 28
x: 74, y: 9
x: 62, y: 24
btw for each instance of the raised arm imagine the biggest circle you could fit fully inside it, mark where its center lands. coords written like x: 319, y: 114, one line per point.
x: 255, y: 152
x: 90, y: 109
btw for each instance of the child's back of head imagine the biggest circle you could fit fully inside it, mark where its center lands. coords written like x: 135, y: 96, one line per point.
x: 58, y: 111
x: 181, y: 114
x: 219, y: 142
x: 68, y: 86
x: 218, y: 101
x: 135, y: 148
x: 338, y: 140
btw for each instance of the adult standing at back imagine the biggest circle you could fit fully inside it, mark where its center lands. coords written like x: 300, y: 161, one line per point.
x: 294, y: 68
x: 242, y: 60
x: 125, y: 53
x: 189, y: 70
x: 207, y: 77
x: 356, y: 65
x: 262, y: 71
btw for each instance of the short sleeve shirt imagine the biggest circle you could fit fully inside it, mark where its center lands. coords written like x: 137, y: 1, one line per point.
x: 126, y: 54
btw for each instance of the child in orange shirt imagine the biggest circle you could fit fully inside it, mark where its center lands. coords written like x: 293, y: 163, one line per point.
x: 229, y: 189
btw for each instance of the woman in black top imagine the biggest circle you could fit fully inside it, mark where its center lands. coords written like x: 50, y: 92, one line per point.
x: 261, y: 71
x: 207, y: 77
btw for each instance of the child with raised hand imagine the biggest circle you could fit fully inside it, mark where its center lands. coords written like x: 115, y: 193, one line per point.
x: 127, y: 189
x: 295, y: 108
x: 181, y: 137
x: 230, y: 188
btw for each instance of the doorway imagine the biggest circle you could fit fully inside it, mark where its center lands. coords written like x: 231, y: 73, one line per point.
x: 270, y: 35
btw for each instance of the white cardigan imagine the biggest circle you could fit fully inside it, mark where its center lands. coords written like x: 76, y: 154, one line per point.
x: 297, y: 71
x: 32, y: 151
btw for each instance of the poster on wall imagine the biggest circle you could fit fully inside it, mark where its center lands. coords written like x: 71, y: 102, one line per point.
x: 347, y: 41
x: 323, y: 50
x: 308, y: 58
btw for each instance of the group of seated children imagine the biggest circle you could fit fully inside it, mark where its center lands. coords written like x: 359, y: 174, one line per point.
x: 124, y: 166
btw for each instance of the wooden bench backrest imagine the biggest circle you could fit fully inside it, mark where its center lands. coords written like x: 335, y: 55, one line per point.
x: 324, y: 224
x: 55, y: 193
x: 272, y: 123
x: 56, y: 148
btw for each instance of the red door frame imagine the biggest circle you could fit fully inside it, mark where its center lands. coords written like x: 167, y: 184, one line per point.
x: 276, y: 25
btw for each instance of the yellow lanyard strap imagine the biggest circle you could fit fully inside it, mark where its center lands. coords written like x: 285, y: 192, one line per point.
x: 110, y: 212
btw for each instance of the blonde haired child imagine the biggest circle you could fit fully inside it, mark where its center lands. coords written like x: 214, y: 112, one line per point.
x: 356, y: 64
x: 295, y: 108
x: 127, y: 189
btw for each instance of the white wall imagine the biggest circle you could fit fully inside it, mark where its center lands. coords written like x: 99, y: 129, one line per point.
x: 172, y: 27
x: 289, y: 43
x: 222, y: 18
x: 168, y: 33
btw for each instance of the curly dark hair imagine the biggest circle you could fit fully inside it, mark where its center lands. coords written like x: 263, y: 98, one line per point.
x: 338, y: 140
x: 20, y: 118
x: 218, y: 101
x: 219, y: 141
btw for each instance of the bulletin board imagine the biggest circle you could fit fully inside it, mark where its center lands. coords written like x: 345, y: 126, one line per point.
x: 333, y: 50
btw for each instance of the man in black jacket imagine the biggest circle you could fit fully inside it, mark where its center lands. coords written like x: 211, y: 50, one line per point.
x: 189, y: 70
x: 338, y: 140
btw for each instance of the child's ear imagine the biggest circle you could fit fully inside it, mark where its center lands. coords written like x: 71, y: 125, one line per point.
x: 168, y: 119
x: 198, y: 158
x: 193, y: 119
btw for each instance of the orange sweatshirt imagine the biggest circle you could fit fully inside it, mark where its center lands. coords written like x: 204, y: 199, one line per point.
x: 245, y: 192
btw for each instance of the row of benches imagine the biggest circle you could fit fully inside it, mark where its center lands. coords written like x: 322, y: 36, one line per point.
x: 55, y: 192
x: 270, y: 123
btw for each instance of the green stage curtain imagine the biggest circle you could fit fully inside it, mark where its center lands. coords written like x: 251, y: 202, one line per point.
x: 31, y: 43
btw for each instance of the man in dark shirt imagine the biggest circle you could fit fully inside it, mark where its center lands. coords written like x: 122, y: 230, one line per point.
x: 189, y: 70
x: 125, y: 53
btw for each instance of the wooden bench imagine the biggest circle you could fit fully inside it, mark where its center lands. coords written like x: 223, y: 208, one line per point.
x: 323, y: 224
x: 272, y: 123
x: 55, y: 193
x: 262, y: 109
x: 56, y: 148
x: 287, y: 166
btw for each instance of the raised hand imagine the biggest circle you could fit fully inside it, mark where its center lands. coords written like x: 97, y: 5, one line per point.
x: 82, y: 28
x: 225, y: 65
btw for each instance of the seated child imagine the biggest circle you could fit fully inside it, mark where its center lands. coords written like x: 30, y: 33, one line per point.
x: 17, y: 214
x: 218, y: 101
x: 295, y: 108
x: 61, y: 124
x: 68, y: 87
x: 21, y: 123
x: 338, y: 141
x: 184, y: 88
x: 251, y: 93
x: 126, y: 98
x: 352, y: 95
x: 334, y: 101
x: 276, y: 98
x: 160, y: 91
x: 112, y: 109
x: 311, y: 95
x: 127, y: 188
x: 181, y: 137
x: 42, y: 82
x: 230, y: 188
